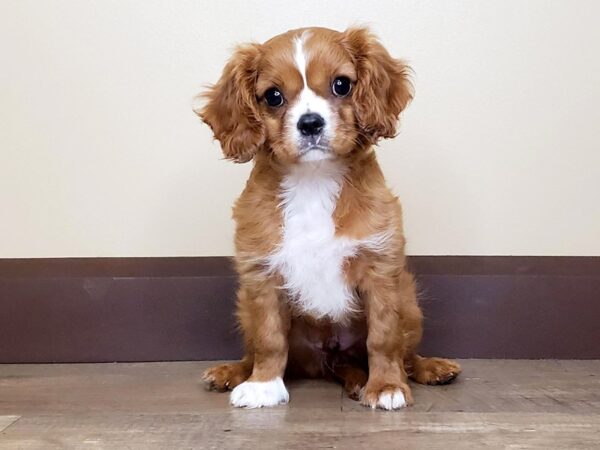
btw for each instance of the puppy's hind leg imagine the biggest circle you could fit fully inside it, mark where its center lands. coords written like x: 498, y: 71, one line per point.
x: 432, y: 370
x: 227, y: 376
x: 352, y: 377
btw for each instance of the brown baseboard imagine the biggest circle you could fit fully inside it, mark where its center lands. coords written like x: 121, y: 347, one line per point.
x: 163, y: 309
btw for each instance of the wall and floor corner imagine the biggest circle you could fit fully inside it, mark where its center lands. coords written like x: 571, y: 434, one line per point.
x: 116, y: 205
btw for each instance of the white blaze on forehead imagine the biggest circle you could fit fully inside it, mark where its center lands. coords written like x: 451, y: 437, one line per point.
x: 300, y: 57
x: 308, y: 100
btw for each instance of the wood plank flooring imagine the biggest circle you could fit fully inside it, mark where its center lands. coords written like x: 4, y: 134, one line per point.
x: 503, y: 404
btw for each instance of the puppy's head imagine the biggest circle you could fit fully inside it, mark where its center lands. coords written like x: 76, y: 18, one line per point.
x: 307, y: 95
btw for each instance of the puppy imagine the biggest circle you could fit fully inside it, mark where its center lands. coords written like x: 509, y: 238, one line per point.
x: 324, y: 290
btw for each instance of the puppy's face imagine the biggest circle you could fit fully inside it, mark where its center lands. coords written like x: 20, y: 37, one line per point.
x: 304, y: 93
x: 307, y: 95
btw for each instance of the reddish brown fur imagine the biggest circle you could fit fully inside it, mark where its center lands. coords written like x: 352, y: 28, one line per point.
x: 383, y: 339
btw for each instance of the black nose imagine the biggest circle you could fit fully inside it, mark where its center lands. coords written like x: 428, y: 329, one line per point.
x: 311, y: 124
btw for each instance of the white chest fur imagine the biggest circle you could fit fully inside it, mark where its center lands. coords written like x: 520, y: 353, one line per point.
x: 310, y: 257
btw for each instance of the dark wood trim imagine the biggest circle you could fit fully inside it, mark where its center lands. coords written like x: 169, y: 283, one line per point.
x: 157, y: 309
x: 206, y: 266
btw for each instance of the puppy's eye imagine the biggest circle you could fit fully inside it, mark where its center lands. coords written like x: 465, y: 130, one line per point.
x: 274, y: 97
x: 341, y: 86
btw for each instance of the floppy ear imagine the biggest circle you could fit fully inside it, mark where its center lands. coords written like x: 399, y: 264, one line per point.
x: 231, y: 109
x: 383, y: 88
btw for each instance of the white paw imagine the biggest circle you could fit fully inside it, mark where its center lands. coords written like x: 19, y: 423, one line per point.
x: 256, y: 394
x: 391, y: 400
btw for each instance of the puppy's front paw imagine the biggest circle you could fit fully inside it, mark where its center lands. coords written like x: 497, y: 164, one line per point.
x: 256, y: 394
x: 386, y: 396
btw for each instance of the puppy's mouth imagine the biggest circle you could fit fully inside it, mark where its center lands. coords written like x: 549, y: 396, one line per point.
x: 314, y: 147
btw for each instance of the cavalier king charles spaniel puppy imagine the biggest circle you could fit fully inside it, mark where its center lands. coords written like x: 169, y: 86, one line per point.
x: 324, y: 289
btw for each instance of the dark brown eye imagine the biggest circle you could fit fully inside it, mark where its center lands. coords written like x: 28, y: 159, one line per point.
x: 274, y: 97
x: 341, y: 86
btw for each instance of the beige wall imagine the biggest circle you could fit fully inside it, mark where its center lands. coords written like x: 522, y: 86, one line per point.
x: 102, y: 156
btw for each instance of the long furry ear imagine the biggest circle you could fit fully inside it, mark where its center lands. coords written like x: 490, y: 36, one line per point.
x: 231, y: 109
x: 383, y: 88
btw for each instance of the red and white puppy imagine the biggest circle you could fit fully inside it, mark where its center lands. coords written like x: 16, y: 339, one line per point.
x: 324, y: 289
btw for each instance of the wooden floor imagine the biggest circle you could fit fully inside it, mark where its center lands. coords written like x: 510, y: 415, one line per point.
x: 495, y: 404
